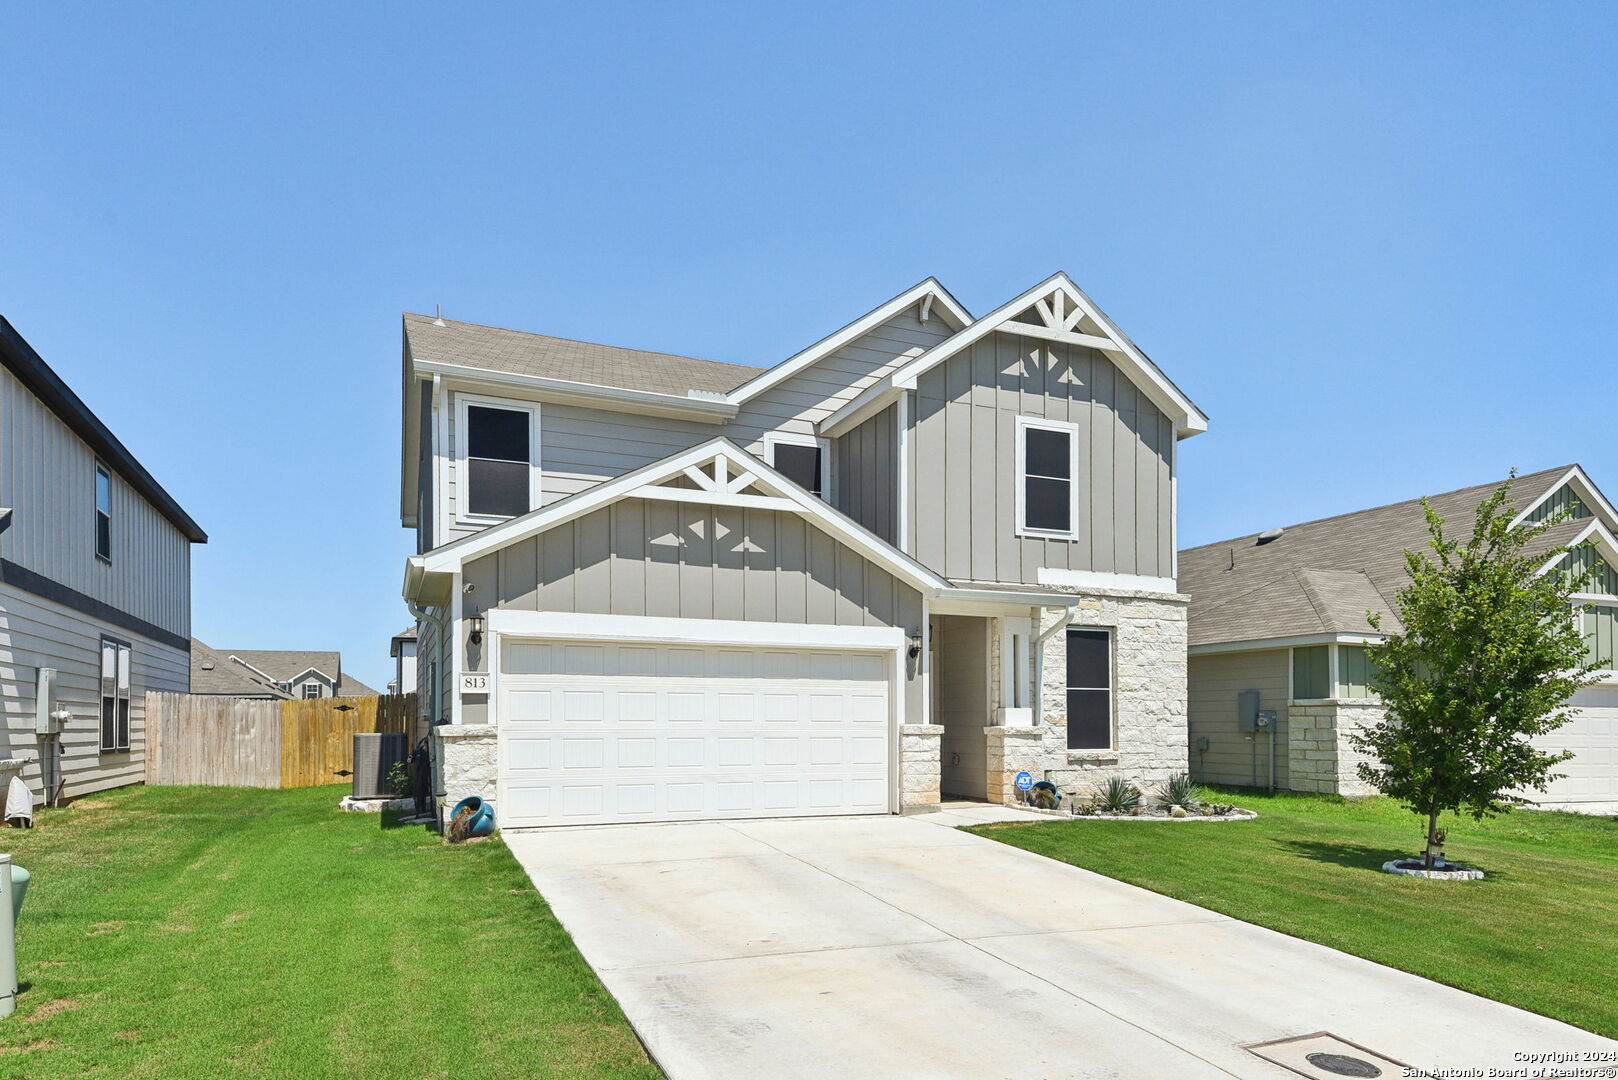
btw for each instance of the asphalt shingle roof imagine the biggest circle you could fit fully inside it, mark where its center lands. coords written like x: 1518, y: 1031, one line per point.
x: 1323, y: 576
x: 519, y: 353
x: 352, y: 687
x: 213, y: 672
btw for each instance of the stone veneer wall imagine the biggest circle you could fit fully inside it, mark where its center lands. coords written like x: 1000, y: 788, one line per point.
x: 1319, y: 756
x: 465, y: 762
x: 1149, y: 692
x: 919, y: 767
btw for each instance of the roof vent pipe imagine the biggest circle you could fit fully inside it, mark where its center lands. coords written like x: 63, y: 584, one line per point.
x: 1268, y: 536
x: 438, y: 320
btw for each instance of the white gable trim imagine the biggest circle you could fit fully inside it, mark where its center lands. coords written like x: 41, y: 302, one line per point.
x: 1188, y: 419
x: 1596, y: 532
x: 931, y: 299
x: 1587, y: 492
x: 735, y: 470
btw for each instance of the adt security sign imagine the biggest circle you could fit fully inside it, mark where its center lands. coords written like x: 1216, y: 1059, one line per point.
x: 1024, y: 781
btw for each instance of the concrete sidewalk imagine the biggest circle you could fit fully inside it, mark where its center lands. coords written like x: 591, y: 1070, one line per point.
x: 903, y: 948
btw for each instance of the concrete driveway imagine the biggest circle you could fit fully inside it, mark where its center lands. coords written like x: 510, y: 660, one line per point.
x: 903, y: 948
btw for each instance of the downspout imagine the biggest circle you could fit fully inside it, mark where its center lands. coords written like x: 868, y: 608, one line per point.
x: 1039, y: 654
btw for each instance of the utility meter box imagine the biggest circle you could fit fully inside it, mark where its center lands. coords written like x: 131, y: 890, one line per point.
x: 1247, y: 711
x: 47, y: 720
x: 1266, y: 721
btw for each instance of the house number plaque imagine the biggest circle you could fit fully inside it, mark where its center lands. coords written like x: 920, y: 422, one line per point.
x: 474, y: 682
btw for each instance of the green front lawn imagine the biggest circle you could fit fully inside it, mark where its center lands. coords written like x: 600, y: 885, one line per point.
x: 1540, y: 932
x: 229, y: 932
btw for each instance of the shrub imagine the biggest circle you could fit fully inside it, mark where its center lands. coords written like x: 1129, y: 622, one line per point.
x: 1178, y: 790
x: 1117, y: 796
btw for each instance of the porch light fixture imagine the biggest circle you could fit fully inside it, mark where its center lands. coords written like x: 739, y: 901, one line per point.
x: 915, y: 645
x: 475, y: 622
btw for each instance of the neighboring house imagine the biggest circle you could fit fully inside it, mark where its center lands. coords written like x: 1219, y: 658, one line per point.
x: 923, y: 555
x: 1283, y: 621
x: 95, y: 585
x: 271, y: 673
x: 403, y: 650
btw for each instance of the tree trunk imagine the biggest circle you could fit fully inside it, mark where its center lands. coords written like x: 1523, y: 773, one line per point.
x: 1432, y: 840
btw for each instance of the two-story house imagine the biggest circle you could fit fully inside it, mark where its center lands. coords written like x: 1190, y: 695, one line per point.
x: 925, y: 554
x: 95, y: 586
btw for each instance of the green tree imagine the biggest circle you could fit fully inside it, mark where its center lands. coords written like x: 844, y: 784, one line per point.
x: 1490, y: 654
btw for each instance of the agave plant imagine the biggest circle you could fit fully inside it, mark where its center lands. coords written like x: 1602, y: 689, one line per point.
x: 1117, y: 796
x: 1178, y: 790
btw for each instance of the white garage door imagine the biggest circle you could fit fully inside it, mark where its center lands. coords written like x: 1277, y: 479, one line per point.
x: 1592, y: 773
x: 605, y: 732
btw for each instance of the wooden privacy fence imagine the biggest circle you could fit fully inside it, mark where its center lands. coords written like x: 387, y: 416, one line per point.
x: 248, y: 742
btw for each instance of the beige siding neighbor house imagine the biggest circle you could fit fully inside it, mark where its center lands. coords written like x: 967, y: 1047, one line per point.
x: 1279, y: 675
x: 924, y: 555
x: 95, y: 586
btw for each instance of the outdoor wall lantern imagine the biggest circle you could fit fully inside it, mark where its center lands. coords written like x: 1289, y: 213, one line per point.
x: 476, y: 625
x: 915, y: 645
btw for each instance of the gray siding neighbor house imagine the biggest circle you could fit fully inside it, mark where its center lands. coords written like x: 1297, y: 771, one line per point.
x: 95, y: 586
x: 1278, y: 625
x: 925, y: 554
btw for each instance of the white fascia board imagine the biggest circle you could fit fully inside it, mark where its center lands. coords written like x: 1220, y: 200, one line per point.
x: 1582, y: 486
x: 451, y: 557
x: 875, y: 398
x: 1257, y: 644
x: 1096, y: 579
x: 589, y: 395
x: 409, y: 441
x: 1597, y: 533
x: 942, y: 302
x: 1188, y: 419
x: 579, y: 625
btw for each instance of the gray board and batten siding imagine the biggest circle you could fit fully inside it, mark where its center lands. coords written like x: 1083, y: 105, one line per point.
x: 690, y: 561
x: 867, y: 473
x: 962, y: 456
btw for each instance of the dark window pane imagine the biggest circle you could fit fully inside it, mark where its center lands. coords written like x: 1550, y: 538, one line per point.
x: 800, y: 464
x: 104, y: 536
x: 123, y: 723
x: 497, y: 433
x: 1089, y: 658
x: 1089, y: 719
x: 1047, y: 453
x: 1046, y: 504
x: 108, y: 734
x: 499, y: 488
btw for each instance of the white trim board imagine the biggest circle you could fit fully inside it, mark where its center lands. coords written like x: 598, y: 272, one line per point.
x: 1265, y: 644
x: 1097, y: 579
x: 1189, y: 420
x: 576, y: 625
x: 941, y: 303
x: 642, y: 482
x: 1583, y: 487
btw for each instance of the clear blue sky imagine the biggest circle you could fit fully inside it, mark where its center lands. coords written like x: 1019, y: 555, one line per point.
x: 1375, y: 242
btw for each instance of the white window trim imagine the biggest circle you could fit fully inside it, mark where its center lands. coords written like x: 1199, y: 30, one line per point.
x: 827, y: 472
x: 463, y: 488
x: 1111, y: 688
x: 1072, y: 432
x: 102, y: 469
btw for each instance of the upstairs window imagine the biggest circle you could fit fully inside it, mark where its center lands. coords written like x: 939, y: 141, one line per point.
x: 1047, y: 467
x: 311, y: 690
x: 1089, y: 689
x: 801, y: 459
x: 498, y: 478
x: 114, y: 696
x: 103, y: 514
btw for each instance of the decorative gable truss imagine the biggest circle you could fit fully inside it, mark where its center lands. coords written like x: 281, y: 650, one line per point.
x: 1054, y: 310
x: 715, y: 473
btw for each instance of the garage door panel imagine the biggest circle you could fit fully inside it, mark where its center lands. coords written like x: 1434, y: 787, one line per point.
x: 1592, y: 736
x: 616, y: 732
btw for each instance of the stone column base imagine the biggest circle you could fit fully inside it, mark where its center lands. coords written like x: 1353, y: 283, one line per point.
x: 919, y: 767
x: 465, y: 762
x: 1012, y: 750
